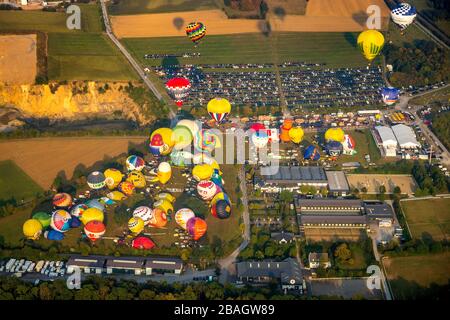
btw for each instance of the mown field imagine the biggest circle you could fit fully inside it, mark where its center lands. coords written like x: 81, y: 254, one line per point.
x: 14, y: 183
x: 158, y: 6
x: 409, y: 277
x: 428, y: 218
x: 335, y: 49
x: 84, y: 54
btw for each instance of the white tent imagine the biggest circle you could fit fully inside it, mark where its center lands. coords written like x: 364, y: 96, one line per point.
x: 405, y: 136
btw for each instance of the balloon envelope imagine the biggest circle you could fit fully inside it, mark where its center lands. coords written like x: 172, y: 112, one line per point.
x: 143, y: 212
x: 390, y: 95
x: 92, y: 214
x: 96, y: 180
x: 196, y: 227
x: 182, y: 216
x: 165, y: 196
x: 137, y: 178
x: 94, y: 230
x: 202, y: 172
x: 44, y: 218
x: 296, y: 134
x: 62, y: 200
x: 260, y: 139
x: 127, y: 188
x: 142, y: 243
x: 159, y: 218
x: 218, y: 109
x: 403, y: 15
x: 135, y: 163
x: 207, y: 189
x: 161, y: 142
x: 60, y: 221
x: 311, y: 153
x: 178, y: 89
x: 370, y: 43
x: 334, y: 134
x: 32, y: 229
x: 221, y: 209
x: 136, y: 225
x: 334, y: 148
x: 195, y: 31
x: 95, y: 203
x: 113, y: 178
x: 54, y: 235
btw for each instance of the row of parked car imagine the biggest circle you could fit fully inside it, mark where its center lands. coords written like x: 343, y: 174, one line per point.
x: 45, y: 267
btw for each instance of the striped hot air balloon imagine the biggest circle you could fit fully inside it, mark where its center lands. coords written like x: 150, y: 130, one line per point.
x: 370, y: 42
x: 403, y: 15
x: 195, y: 31
x: 178, y: 89
x: 218, y: 109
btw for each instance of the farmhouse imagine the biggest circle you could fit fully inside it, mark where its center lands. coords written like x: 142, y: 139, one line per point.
x: 317, y: 260
x: 377, y: 210
x: 282, y: 237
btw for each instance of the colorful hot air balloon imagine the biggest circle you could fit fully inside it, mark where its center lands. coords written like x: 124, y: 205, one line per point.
x: 164, y: 205
x: 296, y: 134
x: 75, y: 222
x: 370, y: 42
x: 202, y: 172
x: 127, y: 188
x: 260, y: 139
x: 135, y: 163
x: 136, y: 225
x: 32, y: 229
x: 161, y: 142
x: 92, y: 214
x: 257, y: 127
x: 60, y: 221
x: 403, y: 15
x: 218, y: 109
x: 311, y: 153
x: 178, y: 89
x: 196, y: 227
x: 217, y: 178
x: 78, y: 210
x: 182, y: 216
x: 137, y: 178
x: 207, y: 189
x: 220, y: 196
x: 116, y: 196
x: 349, y: 145
x: 94, y: 230
x: 159, y: 218
x: 284, y: 130
x: 334, y: 134
x: 44, y: 218
x: 206, y: 140
x: 192, y: 125
x: 390, y: 95
x: 95, y: 203
x: 113, y: 178
x: 221, y: 209
x: 143, y: 212
x: 96, y: 180
x: 195, y: 31
x: 165, y: 196
x: 62, y: 200
x: 334, y: 148
x: 182, y: 137
x: 142, y: 243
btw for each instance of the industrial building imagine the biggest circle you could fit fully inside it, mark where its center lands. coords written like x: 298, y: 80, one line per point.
x: 125, y: 265
x: 88, y: 264
x: 337, y: 183
x: 386, y: 140
x: 405, y: 136
x: 163, y: 266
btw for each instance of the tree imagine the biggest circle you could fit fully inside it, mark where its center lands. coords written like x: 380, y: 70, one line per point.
x: 397, y: 190
x: 364, y: 190
x: 342, y: 253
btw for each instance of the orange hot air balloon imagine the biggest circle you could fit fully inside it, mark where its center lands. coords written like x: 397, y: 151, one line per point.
x: 284, y: 134
x: 196, y: 227
x: 158, y: 219
x: 288, y: 123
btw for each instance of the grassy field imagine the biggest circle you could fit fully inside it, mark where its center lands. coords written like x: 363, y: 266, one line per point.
x: 409, y: 276
x: 441, y: 95
x: 430, y: 217
x: 335, y: 49
x: 14, y: 183
x: 159, y: 6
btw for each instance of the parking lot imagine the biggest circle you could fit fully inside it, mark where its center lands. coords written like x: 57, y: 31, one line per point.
x: 45, y: 269
x: 346, y: 288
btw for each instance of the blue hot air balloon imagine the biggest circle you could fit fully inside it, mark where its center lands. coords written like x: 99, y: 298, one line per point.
x: 54, y: 235
x: 311, y: 153
x: 334, y: 148
x: 390, y: 95
x: 403, y: 15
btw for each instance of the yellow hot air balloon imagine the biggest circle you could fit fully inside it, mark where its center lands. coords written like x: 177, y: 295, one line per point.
x: 113, y: 178
x: 296, y: 134
x: 161, y: 141
x: 370, y: 42
x: 335, y: 134
x: 218, y: 109
x: 137, y: 179
x: 202, y: 172
x: 164, y: 205
x: 164, y: 172
x: 136, y: 225
x: 165, y: 196
x: 116, y: 196
x: 92, y: 214
x: 32, y: 229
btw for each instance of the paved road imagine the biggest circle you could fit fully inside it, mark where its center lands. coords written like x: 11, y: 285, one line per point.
x: 130, y: 59
x: 386, y: 288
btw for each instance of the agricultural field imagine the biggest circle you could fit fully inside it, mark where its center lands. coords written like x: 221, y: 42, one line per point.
x: 428, y: 218
x: 14, y: 183
x: 335, y: 49
x: 410, y: 276
x: 157, y: 6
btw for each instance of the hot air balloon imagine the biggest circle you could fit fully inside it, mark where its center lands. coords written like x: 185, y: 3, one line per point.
x: 95, y: 203
x: 165, y: 196
x: 44, y: 218
x: 257, y: 127
x: 218, y: 109
x: 135, y: 163
x: 203, y: 158
x: 390, y: 95
x: 182, y: 216
x: 164, y: 173
x: 206, y: 140
x: 178, y: 89
x: 190, y: 124
x: 75, y: 222
x: 370, y: 42
x: 207, y: 189
x: 62, y: 200
x: 143, y: 212
x: 349, y: 145
x: 116, y: 196
x: 60, y: 221
x: 127, y: 188
x: 202, y: 172
x: 221, y: 209
x: 220, y: 196
x: 284, y: 130
x: 164, y: 205
x: 217, y: 178
x: 180, y: 158
x: 54, y: 235
x: 137, y: 178
x: 311, y: 153
x: 296, y: 134
x: 92, y: 214
x: 334, y: 134
x: 159, y: 218
x: 96, y: 180
x: 195, y: 31
x: 94, y: 230
x: 182, y: 137
x: 196, y: 227
x: 260, y: 139
x: 32, y: 229
x: 334, y: 148
x: 403, y: 15
x: 136, y: 225
x: 142, y: 243
x: 77, y: 211
x: 113, y: 178
x: 161, y: 142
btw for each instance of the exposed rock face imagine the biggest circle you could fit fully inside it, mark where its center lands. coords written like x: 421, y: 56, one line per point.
x: 76, y: 100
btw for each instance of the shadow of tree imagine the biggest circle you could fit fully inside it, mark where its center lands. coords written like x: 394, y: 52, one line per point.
x: 410, y: 290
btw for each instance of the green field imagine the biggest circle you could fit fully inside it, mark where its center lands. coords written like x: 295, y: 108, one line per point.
x: 409, y: 277
x: 440, y: 95
x: 335, y: 49
x: 430, y: 217
x: 14, y: 183
x: 159, y: 6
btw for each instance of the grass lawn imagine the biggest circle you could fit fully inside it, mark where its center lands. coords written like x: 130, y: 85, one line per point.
x: 14, y: 183
x: 335, y: 49
x: 430, y: 217
x: 159, y: 6
x: 409, y: 276
x: 358, y: 260
x: 441, y: 95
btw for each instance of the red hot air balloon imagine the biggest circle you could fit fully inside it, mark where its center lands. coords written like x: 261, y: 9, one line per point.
x: 143, y: 243
x: 178, y: 88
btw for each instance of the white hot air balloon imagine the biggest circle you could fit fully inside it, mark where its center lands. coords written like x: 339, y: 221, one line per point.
x: 403, y: 15
x: 182, y: 216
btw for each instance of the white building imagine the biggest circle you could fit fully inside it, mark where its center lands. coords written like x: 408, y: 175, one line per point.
x: 388, y: 140
x: 405, y: 136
